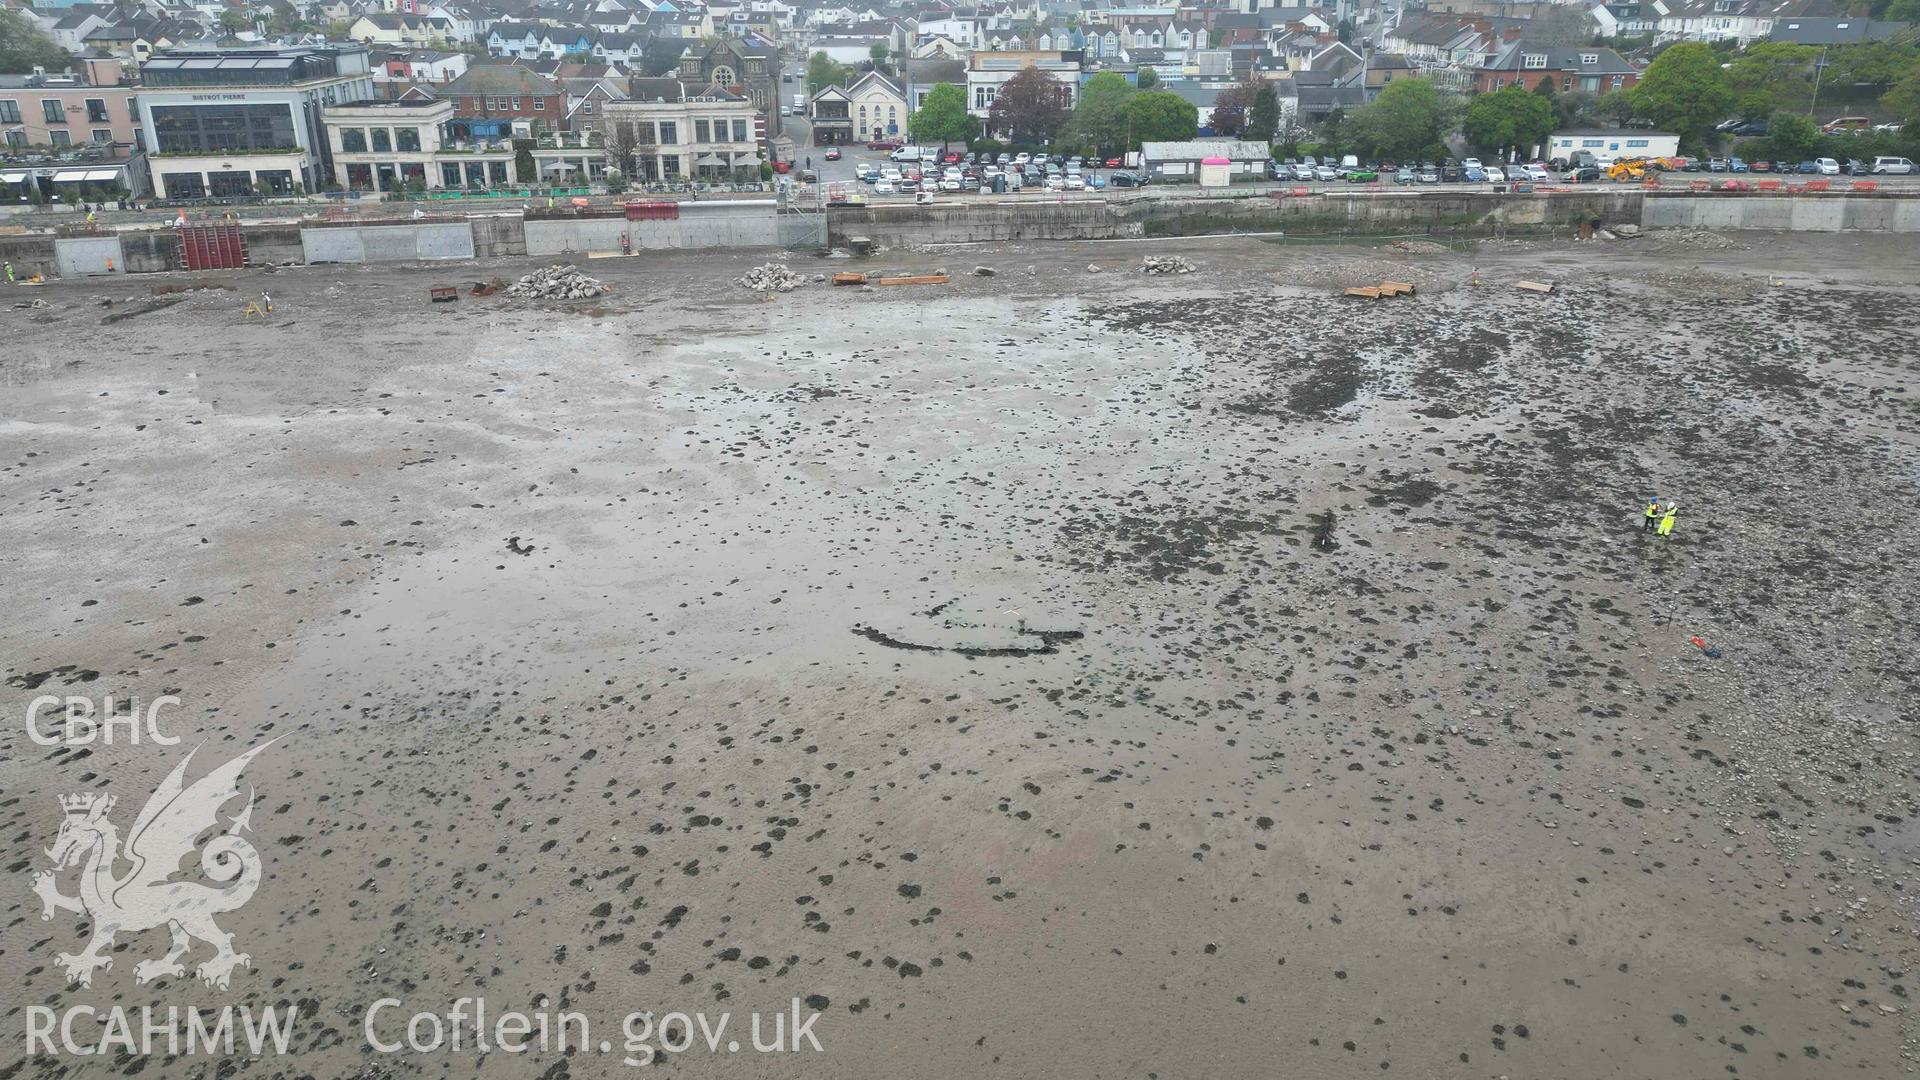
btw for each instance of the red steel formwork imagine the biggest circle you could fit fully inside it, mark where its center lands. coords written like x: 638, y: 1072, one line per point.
x: 212, y: 247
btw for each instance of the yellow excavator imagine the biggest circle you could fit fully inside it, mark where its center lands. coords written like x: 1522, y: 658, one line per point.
x: 1629, y: 170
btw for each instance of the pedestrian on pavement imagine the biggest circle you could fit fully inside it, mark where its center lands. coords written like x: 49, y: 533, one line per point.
x: 1666, y: 519
x: 1653, y: 514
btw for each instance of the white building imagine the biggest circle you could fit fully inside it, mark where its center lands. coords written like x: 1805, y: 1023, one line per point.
x: 986, y: 71
x: 1609, y: 144
x: 219, y: 122
x: 390, y: 145
x: 670, y: 130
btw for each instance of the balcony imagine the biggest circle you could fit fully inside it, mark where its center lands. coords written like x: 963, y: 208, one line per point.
x: 569, y: 140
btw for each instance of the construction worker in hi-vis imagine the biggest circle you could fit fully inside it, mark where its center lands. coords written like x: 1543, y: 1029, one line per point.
x: 1666, y: 520
x: 1653, y: 513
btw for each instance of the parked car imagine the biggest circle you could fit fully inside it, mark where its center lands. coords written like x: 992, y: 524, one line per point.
x: 1738, y: 165
x: 1429, y: 175
x: 1585, y: 174
x: 1022, y: 158
x: 884, y: 186
x: 1495, y: 174
x: 1326, y: 174
x: 1076, y: 182
x: 832, y: 154
x: 884, y: 144
x: 1472, y: 163
x: 1826, y: 166
x: 1361, y: 176
x: 1718, y: 164
x: 1847, y: 124
x: 908, y: 187
x: 1893, y: 166
x: 1450, y: 174
x: 1807, y: 168
x: 1538, y: 174
x: 1406, y: 176
x: 1473, y: 174
x: 1304, y: 172
x: 1127, y: 180
x: 1114, y: 163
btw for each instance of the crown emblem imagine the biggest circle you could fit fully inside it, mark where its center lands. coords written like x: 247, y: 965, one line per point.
x: 80, y: 805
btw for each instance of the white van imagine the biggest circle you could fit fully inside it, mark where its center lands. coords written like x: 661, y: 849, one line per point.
x: 905, y: 153
x: 1892, y: 165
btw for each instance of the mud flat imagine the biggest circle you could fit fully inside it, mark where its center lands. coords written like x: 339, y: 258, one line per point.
x: 1045, y: 674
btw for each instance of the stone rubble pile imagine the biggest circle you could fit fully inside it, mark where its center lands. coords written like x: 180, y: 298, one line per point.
x: 771, y: 277
x: 1168, y: 264
x: 556, y: 282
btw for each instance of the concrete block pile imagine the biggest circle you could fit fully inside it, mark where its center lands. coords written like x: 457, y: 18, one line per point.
x: 771, y: 277
x: 556, y: 282
x: 1168, y: 264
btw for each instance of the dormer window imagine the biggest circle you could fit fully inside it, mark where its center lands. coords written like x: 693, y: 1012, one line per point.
x: 1589, y: 58
x: 1534, y: 60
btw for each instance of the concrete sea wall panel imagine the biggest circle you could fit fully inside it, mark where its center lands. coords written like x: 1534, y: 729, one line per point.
x: 155, y: 251
x: 88, y: 255
x: 332, y: 246
x: 498, y: 234
x: 448, y: 241
x: 393, y: 243
x: 574, y: 236
x: 275, y: 244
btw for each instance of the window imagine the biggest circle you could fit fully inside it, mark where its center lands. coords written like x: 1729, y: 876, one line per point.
x: 406, y: 139
x: 9, y: 112
x: 723, y: 76
x: 103, y: 135
x: 670, y: 132
x: 353, y: 141
x: 863, y: 117
x: 1590, y: 143
x: 539, y: 104
x: 490, y: 105
x: 1589, y: 58
x: 1633, y: 144
x: 1619, y: 81
x: 96, y: 111
x: 516, y: 104
x: 191, y: 129
x: 60, y: 138
x: 16, y: 138
x: 1534, y: 60
x: 382, y: 141
x: 55, y: 112
x: 700, y: 131
x: 1566, y: 82
x: 587, y: 107
x: 739, y: 131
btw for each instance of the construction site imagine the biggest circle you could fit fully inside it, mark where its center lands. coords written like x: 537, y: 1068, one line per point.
x: 1216, y: 656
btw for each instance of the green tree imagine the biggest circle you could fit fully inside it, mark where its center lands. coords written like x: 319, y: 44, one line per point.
x: 877, y: 54
x: 1791, y: 136
x: 1512, y: 119
x: 22, y: 45
x: 1903, y: 11
x: 233, y: 19
x: 1333, y: 133
x: 1684, y: 91
x: 1263, y: 119
x: 1147, y: 79
x: 824, y: 71
x: 1772, y: 74
x: 943, y: 116
x: 1099, y: 120
x: 1030, y: 108
x: 1903, y: 101
x: 1410, y: 119
x: 1875, y: 63
x: 1159, y: 116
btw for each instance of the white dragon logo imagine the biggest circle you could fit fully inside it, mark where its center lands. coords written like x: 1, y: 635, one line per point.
x: 143, y: 898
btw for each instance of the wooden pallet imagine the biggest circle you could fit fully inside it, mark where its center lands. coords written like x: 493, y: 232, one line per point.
x: 915, y: 279
x: 1534, y: 286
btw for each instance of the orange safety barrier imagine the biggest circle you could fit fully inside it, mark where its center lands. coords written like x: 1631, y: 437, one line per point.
x: 1699, y: 185
x: 1769, y: 185
x: 1819, y: 185
x: 1866, y: 185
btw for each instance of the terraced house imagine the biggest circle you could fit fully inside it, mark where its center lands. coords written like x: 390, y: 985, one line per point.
x: 1586, y: 68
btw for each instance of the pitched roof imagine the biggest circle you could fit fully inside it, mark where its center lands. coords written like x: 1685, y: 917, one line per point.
x: 495, y: 79
x: 1582, y: 59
